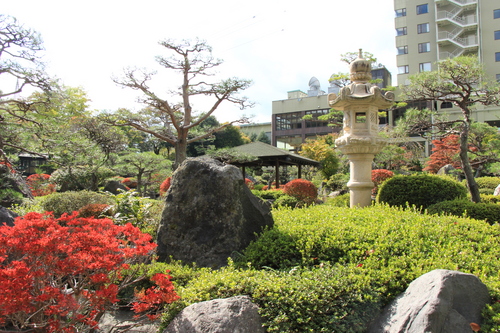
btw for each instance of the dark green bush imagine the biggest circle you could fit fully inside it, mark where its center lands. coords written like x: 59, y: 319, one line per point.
x: 80, y: 178
x: 421, y: 190
x: 268, y: 194
x: 67, y: 202
x: 488, y: 184
x: 286, y: 201
x: 463, y: 207
x: 490, y: 198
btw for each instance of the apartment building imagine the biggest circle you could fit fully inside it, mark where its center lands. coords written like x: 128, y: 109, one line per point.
x: 428, y: 31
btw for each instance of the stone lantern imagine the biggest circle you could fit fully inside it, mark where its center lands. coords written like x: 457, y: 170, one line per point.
x: 360, y: 102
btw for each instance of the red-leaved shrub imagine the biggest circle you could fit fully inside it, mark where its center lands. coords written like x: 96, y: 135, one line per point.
x: 249, y: 183
x: 302, y: 190
x: 60, y: 275
x: 379, y: 176
x: 94, y: 210
x: 39, y: 184
x: 165, y: 185
x: 129, y: 182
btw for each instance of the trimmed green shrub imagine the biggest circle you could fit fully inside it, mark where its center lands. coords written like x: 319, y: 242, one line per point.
x: 331, y: 269
x: 80, y: 178
x: 463, y: 207
x: 268, y: 194
x: 488, y: 184
x: 490, y: 198
x: 343, y: 200
x: 286, y: 201
x: 67, y: 202
x: 421, y: 190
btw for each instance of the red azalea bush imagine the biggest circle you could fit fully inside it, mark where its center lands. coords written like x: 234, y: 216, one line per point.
x: 249, y: 183
x: 379, y: 176
x: 301, y: 189
x: 165, y: 185
x: 60, y: 275
x: 129, y: 182
x: 39, y: 184
x: 93, y: 210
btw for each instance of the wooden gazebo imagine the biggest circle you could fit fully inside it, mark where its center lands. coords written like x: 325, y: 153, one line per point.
x: 268, y: 155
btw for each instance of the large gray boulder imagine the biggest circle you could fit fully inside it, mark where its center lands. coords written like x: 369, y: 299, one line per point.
x: 230, y: 315
x: 209, y: 214
x: 440, y: 301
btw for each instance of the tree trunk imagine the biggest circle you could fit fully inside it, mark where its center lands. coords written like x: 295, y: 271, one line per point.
x: 180, y: 153
x: 466, y: 167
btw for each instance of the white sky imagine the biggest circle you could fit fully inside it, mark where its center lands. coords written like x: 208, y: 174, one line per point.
x: 278, y: 44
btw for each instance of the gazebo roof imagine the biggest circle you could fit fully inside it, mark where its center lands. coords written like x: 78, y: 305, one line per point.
x: 269, y: 155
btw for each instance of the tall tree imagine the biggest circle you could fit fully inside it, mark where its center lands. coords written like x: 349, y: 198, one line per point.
x: 194, y: 61
x: 463, y: 82
x: 20, y: 67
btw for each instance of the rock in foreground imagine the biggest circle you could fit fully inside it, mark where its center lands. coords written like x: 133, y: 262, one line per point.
x: 440, y: 301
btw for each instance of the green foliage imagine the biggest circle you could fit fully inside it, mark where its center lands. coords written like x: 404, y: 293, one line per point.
x: 331, y: 269
x: 268, y: 194
x: 487, y: 183
x: 339, y: 201
x: 338, y: 182
x: 68, y: 202
x: 80, y: 178
x: 286, y: 201
x: 142, y: 212
x: 490, y: 198
x: 421, y: 190
x: 9, y: 197
x: 463, y: 207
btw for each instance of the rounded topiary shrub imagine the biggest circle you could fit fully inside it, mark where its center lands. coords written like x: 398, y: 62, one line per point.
x: 487, y: 185
x: 420, y: 190
x: 80, y: 178
x: 463, y: 207
x: 68, y: 202
x: 301, y: 189
x: 286, y: 201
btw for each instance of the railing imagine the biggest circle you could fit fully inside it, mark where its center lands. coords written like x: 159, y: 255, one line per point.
x: 461, y: 2
x: 453, y: 16
x: 469, y: 41
x: 456, y: 53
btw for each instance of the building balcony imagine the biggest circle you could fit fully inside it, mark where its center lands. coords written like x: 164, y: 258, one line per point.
x: 445, y: 37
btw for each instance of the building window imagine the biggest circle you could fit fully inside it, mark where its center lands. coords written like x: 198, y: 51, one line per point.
x: 446, y: 105
x: 314, y: 121
x: 497, y: 34
x: 424, y: 47
x: 401, y: 31
x: 425, y: 67
x: 423, y: 28
x: 498, y: 77
x: 401, y: 12
x: 422, y: 9
x: 497, y: 56
x: 288, y: 121
x: 496, y: 13
x: 402, y: 50
x: 403, y: 69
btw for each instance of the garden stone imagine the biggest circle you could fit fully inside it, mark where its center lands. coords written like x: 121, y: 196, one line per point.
x: 7, y: 217
x: 230, y: 315
x: 448, y: 169
x: 14, y: 181
x: 440, y: 301
x: 114, y: 187
x: 209, y: 215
